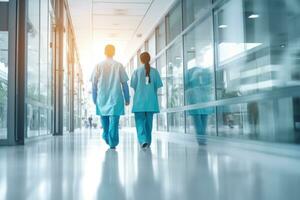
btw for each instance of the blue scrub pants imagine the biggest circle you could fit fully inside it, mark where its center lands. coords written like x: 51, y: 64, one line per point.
x: 143, y: 123
x: 200, y: 123
x: 110, y: 125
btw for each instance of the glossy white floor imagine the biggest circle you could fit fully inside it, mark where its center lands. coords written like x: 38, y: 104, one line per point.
x: 79, y: 166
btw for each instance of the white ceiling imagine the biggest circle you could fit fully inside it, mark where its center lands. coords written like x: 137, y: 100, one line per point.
x: 99, y: 22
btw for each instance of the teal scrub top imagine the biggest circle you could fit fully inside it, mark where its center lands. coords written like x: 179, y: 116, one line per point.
x: 145, y: 95
x: 108, y: 76
x: 198, y: 88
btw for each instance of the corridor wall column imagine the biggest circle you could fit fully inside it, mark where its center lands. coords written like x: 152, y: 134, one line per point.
x: 58, y: 107
x: 17, y: 75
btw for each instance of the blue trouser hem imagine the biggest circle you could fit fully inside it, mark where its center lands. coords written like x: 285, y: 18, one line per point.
x: 200, y: 123
x: 144, y: 122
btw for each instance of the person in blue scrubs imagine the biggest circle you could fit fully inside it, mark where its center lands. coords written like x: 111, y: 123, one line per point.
x: 198, y: 85
x: 110, y: 90
x: 145, y: 81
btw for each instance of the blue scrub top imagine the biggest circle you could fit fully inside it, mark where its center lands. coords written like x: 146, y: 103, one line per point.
x: 145, y: 95
x: 108, y: 77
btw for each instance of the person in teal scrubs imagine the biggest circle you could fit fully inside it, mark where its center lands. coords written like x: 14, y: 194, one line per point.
x: 145, y: 81
x: 198, y: 89
x: 110, y: 90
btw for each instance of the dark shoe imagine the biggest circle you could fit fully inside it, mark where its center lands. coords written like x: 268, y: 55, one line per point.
x: 112, y: 147
x: 144, y: 145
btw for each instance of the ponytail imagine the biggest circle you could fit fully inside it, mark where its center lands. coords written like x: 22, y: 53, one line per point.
x: 145, y: 59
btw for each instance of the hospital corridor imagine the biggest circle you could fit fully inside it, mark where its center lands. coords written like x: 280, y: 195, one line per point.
x: 149, y: 99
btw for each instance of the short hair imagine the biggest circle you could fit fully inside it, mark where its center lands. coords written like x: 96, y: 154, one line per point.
x: 109, y: 50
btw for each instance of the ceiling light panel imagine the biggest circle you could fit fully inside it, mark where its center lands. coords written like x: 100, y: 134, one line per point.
x: 119, y: 9
x: 116, y: 22
x: 111, y: 34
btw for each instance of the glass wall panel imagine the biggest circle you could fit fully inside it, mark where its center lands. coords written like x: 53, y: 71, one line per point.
x: 33, y: 59
x: 201, y: 122
x: 151, y: 47
x: 248, y: 47
x: 39, y: 68
x: 44, y: 53
x: 50, y: 71
x: 162, y: 92
x: 199, y: 64
x: 160, y: 36
x: 257, y: 46
x: 199, y: 78
x: 174, y: 23
x: 176, y: 122
x: 135, y: 62
x: 33, y: 67
x: 33, y: 120
x: 43, y: 121
x: 175, y: 75
x: 272, y: 120
x: 3, y: 69
x: 138, y: 57
x: 193, y: 9
x: 66, y: 77
x: 49, y: 121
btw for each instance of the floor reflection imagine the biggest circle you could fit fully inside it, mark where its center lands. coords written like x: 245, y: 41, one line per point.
x: 80, y: 167
x: 146, y: 187
x: 110, y: 187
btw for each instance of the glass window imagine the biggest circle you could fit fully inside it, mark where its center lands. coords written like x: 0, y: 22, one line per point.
x: 273, y: 120
x: 161, y: 37
x: 135, y: 62
x: 199, y: 64
x: 162, y: 69
x: 143, y: 48
x: 3, y: 69
x: 33, y: 67
x: 51, y: 72
x: 138, y: 57
x: 44, y: 53
x: 174, y: 23
x: 151, y: 47
x: 131, y: 65
x: 176, y: 122
x: 33, y: 120
x: 39, y: 68
x: 175, y: 75
x: 162, y: 92
x: 43, y: 121
x: 162, y: 122
x: 193, y: 9
x: 199, y: 78
x: 257, y: 46
x: 66, y: 98
x: 33, y: 39
x: 201, y: 122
